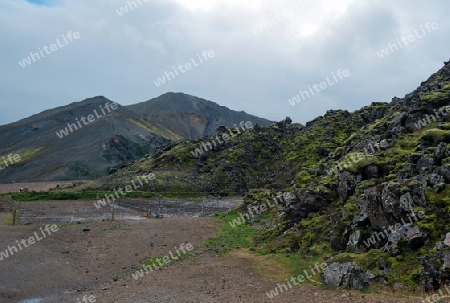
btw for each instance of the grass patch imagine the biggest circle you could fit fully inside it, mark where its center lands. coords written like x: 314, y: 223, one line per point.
x: 8, y: 219
x: 301, y: 264
x: 92, y: 195
x: 230, y: 238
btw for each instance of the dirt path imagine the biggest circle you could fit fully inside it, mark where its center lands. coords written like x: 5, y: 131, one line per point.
x: 97, y: 259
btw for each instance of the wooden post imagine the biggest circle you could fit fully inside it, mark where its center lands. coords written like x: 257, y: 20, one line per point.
x: 112, y: 216
x: 14, y: 214
x: 159, y: 208
x: 203, y: 205
x: 15, y: 206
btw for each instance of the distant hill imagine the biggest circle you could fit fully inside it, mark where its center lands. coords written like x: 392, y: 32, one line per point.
x: 51, y: 150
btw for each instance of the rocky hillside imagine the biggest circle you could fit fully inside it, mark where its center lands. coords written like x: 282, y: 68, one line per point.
x: 367, y: 192
x: 87, y: 139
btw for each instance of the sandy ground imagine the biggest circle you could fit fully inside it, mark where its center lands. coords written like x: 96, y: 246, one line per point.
x: 98, y: 258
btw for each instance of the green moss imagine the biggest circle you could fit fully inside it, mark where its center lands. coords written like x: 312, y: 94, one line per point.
x: 436, y: 135
x: 351, y: 209
x: 436, y: 96
x: 365, y: 184
x: 405, y: 268
x: 445, y: 126
x: 357, y: 167
x: 257, y: 194
x: 441, y: 199
x: 391, y: 177
x: 304, y: 179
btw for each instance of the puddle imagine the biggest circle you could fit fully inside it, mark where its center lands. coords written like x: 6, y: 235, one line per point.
x: 53, y: 212
x: 36, y: 300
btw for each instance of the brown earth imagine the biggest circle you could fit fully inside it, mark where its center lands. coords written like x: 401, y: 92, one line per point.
x: 99, y: 258
x: 37, y: 186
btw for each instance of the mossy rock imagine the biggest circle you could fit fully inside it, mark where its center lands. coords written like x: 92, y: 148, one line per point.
x: 445, y: 126
x: 436, y: 97
x: 435, y: 136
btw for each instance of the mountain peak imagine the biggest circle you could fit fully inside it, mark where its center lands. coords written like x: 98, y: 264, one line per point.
x: 189, y: 116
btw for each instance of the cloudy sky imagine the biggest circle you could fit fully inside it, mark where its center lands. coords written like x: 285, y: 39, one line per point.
x: 265, y: 53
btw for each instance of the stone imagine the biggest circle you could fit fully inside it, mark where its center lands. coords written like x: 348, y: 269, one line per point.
x: 354, y: 238
x: 345, y: 275
x: 447, y: 239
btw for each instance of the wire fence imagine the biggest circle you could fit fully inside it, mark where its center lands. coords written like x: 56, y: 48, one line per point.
x: 58, y: 212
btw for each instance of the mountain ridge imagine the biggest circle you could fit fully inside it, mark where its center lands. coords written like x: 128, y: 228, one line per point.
x: 82, y: 149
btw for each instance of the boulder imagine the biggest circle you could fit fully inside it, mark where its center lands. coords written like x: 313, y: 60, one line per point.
x: 447, y: 239
x: 371, y: 206
x: 435, y: 270
x: 300, y: 203
x: 371, y: 171
x: 425, y: 164
x: 345, y: 275
x: 354, y: 238
x: 347, y: 183
x: 409, y: 233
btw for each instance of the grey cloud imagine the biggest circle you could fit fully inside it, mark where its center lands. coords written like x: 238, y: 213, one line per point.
x: 119, y: 57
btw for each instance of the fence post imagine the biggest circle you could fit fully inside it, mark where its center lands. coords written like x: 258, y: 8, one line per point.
x: 159, y: 207
x: 203, y: 205
x: 14, y: 214
x: 112, y: 216
x: 15, y: 206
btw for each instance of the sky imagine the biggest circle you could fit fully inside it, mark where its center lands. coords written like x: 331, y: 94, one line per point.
x: 252, y: 55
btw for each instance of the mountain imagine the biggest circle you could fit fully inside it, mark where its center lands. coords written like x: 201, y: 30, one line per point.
x: 367, y: 192
x: 189, y: 117
x: 63, y: 144
x: 81, y: 152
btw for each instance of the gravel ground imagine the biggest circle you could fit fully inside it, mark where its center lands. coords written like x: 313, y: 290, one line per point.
x: 97, y: 259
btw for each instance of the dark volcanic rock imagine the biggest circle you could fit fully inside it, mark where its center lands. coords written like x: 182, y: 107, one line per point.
x: 301, y: 203
x: 436, y: 270
x: 346, y: 275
